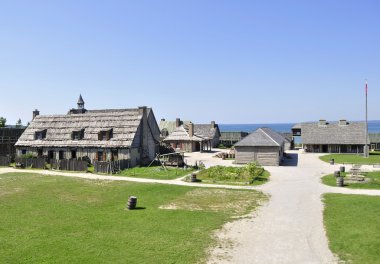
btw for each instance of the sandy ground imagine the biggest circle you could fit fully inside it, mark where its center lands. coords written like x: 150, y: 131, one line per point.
x: 288, y: 229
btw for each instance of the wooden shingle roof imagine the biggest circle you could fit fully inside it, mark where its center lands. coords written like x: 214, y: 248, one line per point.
x: 374, y: 137
x: 262, y: 137
x: 181, y: 134
x: 333, y: 133
x: 123, y: 122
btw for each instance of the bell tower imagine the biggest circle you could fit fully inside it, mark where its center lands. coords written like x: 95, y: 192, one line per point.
x: 80, y: 103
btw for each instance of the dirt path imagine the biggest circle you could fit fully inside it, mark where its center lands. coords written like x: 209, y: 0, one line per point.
x: 289, y: 229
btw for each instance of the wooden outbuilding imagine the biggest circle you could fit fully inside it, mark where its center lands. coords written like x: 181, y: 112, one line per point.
x: 263, y: 146
x: 99, y: 135
x: 229, y: 138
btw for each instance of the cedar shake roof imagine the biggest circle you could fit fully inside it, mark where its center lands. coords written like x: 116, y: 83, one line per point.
x: 374, y: 137
x: 203, y: 130
x: 332, y: 133
x: 262, y: 137
x: 181, y: 134
x: 207, y: 130
x: 59, y: 128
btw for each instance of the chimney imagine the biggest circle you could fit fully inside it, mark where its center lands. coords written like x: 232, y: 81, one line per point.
x: 35, y: 113
x: 343, y: 122
x: 177, y: 122
x: 191, y: 129
x: 212, y: 124
x: 322, y: 122
x: 144, y: 134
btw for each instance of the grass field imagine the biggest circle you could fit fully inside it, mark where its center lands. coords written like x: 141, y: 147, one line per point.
x: 156, y: 172
x: 374, y: 158
x: 49, y: 219
x: 374, y: 181
x: 352, y: 224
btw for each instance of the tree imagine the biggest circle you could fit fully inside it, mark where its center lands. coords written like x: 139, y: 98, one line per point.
x: 2, y: 121
x: 19, y: 123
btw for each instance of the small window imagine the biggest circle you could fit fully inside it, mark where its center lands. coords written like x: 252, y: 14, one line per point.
x: 61, y: 154
x: 105, y: 134
x: 77, y: 135
x: 39, y: 135
x: 23, y: 152
x: 73, y: 154
x: 100, y: 155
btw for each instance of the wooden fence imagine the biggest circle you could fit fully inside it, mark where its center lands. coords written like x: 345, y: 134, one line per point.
x: 110, y: 167
x: 69, y: 165
x: 38, y: 163
x: 5, y: 161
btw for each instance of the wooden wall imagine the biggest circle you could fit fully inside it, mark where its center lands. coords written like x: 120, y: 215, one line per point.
x: 265, y: 156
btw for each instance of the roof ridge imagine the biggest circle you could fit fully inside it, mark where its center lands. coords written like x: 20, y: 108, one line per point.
x: 269, y: 136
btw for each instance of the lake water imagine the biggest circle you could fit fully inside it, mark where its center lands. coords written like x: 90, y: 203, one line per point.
x: 373, y: 127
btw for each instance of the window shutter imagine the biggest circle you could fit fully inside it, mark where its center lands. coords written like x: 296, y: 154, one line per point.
x: 96, y: 156
x: 104, y: 156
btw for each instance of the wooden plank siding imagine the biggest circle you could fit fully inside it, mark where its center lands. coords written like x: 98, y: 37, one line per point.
x: 265, y: 156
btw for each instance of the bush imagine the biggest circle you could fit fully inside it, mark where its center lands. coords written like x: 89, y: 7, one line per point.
x: 248, y: 173
x: 28, y: 156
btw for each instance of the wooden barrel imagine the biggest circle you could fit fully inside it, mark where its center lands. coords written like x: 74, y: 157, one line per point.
x: 339, y: 181
x: 193, y: 177
x: 337, y: 173
x: 342, y: 169
x: 132, y: 201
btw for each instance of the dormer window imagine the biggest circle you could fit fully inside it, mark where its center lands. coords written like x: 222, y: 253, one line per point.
x: 77, y: 135
x: 39, y: 135
x: 105, y: 134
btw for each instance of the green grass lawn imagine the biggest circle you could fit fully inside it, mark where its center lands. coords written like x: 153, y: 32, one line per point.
x: 352, y: 224
x: 156, y: 172
x: 374, y: 182
x: 49, y: 219
x: 374, y: 158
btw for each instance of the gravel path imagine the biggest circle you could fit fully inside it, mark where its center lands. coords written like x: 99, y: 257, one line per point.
x: 288, y: 229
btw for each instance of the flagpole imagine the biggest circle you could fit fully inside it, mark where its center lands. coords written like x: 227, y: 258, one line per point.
x: 366, y: 149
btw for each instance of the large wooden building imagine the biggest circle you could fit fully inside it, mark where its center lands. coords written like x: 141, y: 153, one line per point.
x: 263, y: 146
x: 102, y: 135
x: 333, y: 137
x: 8, y: 138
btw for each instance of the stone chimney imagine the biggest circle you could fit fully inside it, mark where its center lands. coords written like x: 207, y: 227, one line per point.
x: 343, y: 122
x: 144, y: 134
x: 177, y: 122
x: 322, y: 122
x: 191, y: 129
x: 212, y: 124
x: 35, y: 113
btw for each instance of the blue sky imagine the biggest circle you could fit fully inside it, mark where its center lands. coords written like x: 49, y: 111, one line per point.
x: 229, y: 61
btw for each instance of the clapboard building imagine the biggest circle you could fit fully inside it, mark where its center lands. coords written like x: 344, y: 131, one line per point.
x: 263, y: 146
x: 102, y: 135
